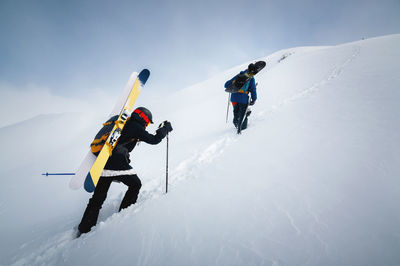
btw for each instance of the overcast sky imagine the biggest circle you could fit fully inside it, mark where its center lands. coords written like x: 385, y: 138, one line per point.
x: 76, y: 47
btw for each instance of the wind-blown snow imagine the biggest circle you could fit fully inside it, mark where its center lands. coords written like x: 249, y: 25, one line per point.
x: 312, y: 181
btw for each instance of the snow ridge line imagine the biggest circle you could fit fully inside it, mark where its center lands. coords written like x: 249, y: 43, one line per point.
x: 314, y: 88
x: 191, y: 167
x: 289, y: 217
x: 47, y: 253
x: 187, y: 169
x: 318, y: 225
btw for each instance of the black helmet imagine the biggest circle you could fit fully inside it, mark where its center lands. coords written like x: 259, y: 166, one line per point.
x: 251, y: 69
x: 143, y: 115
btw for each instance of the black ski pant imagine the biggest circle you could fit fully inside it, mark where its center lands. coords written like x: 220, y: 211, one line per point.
x: 91, y: 213
x: 239, y: 116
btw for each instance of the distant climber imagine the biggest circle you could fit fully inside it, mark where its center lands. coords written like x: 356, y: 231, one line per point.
x: 240, y: 87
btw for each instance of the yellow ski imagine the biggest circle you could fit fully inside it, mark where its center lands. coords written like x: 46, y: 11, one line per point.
x: 95, y: 171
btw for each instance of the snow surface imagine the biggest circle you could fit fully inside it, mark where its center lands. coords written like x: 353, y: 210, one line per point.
x: 314, y: 180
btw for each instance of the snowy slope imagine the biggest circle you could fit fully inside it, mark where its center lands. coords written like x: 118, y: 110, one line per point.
x: 312, y: 181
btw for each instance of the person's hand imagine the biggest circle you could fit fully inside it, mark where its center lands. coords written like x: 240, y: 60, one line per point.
x: 252, y: 102
x: 166, y: 125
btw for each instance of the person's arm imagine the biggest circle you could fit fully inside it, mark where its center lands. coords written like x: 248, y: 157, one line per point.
x: 145, y: 136
x: 229, y: 82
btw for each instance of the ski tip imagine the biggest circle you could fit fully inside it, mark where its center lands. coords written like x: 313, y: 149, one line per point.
x: 144, y: 75
x: 260, y: 65
x: 89, y: 185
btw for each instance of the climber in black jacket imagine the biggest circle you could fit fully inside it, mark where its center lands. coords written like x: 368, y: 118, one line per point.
x: 118, y: 169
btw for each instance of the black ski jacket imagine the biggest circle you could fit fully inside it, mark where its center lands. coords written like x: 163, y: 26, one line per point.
x: 133, y: 132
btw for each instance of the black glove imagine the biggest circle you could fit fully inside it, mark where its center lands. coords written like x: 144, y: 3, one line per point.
x: 252, y: 102
x: 166, y: 126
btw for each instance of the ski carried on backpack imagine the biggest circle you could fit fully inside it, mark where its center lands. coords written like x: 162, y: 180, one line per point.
x: 95, y: 171
x: 91, y: 167
x: 241, y: 82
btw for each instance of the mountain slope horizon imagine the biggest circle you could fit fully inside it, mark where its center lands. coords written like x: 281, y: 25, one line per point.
x: 312, y: 181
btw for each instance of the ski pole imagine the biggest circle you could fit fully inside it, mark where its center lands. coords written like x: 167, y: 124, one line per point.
x: 227, y: 108
x: 166, y: 172
x: 47, y: 174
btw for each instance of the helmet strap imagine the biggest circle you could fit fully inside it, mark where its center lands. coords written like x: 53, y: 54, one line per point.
x: 143, y: 116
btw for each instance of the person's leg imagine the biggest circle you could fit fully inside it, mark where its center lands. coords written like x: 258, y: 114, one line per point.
x: 242, y: 120
x: 91, y: 213
x: 131, y: 195
x: 235, y: 114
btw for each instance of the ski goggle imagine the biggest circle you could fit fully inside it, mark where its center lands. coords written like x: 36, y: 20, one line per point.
x: 143, y: 116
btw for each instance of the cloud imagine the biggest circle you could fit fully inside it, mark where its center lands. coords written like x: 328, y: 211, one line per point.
x: 19, y: 104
